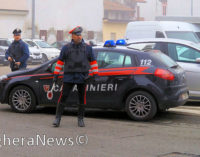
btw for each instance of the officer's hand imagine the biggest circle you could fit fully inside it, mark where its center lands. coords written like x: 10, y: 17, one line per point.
x: 87, y: 78
x: 10, y: 59
x: 55, y: 79
x: 18, y: 63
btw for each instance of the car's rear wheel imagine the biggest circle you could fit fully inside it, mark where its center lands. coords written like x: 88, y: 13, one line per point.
x: 141, y: 106
x: 22, y: 99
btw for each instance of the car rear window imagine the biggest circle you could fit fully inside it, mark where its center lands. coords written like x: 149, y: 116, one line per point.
x: 160, y: 59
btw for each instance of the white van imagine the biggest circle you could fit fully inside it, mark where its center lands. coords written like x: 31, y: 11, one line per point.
x: 161, y: 29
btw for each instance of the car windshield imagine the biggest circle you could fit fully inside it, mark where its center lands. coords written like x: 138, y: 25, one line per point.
x: 30, y: 43
x: 190, y: 36
x: 43, y: 44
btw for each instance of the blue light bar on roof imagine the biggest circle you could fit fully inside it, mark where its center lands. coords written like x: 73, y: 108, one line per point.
x: 109, y: 43
x: 121, y: 42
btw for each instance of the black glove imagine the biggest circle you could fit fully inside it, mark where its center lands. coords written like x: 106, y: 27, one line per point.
x: 87, y: 78
x: 55, y: 79
x: 95, y: 75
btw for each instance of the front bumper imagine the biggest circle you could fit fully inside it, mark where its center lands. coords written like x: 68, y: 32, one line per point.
x: 35, y: 59
x: 2, y: 92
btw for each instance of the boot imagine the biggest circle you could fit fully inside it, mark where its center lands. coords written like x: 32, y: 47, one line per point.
x: 59, y: 112
x: 81, y: 112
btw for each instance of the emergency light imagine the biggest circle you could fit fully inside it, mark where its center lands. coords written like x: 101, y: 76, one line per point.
x: 109, y: 43
x: 121, y: 42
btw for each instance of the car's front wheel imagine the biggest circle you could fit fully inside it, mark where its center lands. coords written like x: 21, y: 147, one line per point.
x: 22, y: 99
x: 141, y: 106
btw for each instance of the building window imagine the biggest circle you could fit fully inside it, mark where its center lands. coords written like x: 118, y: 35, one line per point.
x: 113, y: 36
x: 43, y: 35
x: 60, y: 35
x: 90, y: 35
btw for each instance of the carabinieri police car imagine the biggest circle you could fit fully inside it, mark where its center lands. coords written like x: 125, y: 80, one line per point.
x: 141, y: 83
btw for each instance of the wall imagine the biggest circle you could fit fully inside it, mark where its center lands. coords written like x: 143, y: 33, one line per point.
x: 66, y: 14
x: 118, y: 28
x: 153, y: 8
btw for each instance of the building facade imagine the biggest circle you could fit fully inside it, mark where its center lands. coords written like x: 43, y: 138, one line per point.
x: 173, y: 10
x: 53, y: 19
x: 117, y: 14
x: 13, y: 14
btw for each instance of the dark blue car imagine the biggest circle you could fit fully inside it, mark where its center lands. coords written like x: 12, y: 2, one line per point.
x: 140, y: 83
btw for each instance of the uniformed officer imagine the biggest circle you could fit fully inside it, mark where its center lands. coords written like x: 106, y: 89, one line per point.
x: 18, y: 52
x: 77, y: 58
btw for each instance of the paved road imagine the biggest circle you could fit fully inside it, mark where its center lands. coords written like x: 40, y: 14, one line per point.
x: 107, y: 134
x: 175, y: 133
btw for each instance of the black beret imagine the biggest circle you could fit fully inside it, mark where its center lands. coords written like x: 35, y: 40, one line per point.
x: 17, y: 31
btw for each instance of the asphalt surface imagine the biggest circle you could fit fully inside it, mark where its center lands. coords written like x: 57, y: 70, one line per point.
x: 175, y: 133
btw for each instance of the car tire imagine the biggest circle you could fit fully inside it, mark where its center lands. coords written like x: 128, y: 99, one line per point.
x: 22, y: 99
x: 44, y: 58
x: 141, y: 106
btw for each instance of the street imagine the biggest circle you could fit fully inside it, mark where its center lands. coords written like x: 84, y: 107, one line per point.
x: 175, y: 133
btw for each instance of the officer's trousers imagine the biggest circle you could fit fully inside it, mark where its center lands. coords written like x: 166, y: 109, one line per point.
x: 67, y: 88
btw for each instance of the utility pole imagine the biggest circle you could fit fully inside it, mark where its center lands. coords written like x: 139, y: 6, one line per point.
x: 33, y: 19
x: 191, y: 7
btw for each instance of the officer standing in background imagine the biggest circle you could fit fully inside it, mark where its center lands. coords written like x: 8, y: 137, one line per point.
x: 77, y: 58
x: 18, y: 52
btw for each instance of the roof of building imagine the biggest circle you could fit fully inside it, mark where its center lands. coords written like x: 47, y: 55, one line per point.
x: 115, y: 6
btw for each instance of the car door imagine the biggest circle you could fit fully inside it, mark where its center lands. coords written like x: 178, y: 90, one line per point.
x: 104, y: 91
x: 45, y: 86
x: 188, y: 59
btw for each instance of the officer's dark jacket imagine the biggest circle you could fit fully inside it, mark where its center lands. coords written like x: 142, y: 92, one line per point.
x: 19, y: 51
x: 78, y: 75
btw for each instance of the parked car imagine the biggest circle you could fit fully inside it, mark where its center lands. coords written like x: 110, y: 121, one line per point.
x: 35, y: 55
x: 48, y: 52
x: 140, y: 83
x: 2, y: 57
x: 59, y: 44
x: 162, y: 29
x: 185, y: 53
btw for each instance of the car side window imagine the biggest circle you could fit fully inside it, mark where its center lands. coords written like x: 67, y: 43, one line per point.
x: 128, y: 61
x: 110, y: 59
x: 183, y: 53
x: 143, y: 46
x: 159, y: 34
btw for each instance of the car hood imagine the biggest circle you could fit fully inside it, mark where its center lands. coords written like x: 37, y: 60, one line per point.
x: 22, y: 72
x: 32, y: 70
x: 34, y: 50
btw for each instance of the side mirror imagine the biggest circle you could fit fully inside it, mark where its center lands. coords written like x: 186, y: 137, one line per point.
x: 198, y: 60
x: 36, y: 47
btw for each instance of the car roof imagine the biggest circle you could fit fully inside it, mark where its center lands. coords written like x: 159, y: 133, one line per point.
x: 123, y: 49
x: 167, y: 40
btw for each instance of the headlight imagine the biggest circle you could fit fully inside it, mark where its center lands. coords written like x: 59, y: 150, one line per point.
x: 3, y: 77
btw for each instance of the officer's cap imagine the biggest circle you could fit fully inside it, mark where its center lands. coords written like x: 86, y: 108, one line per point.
x: 77, y: 30
x: 17, y: 31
